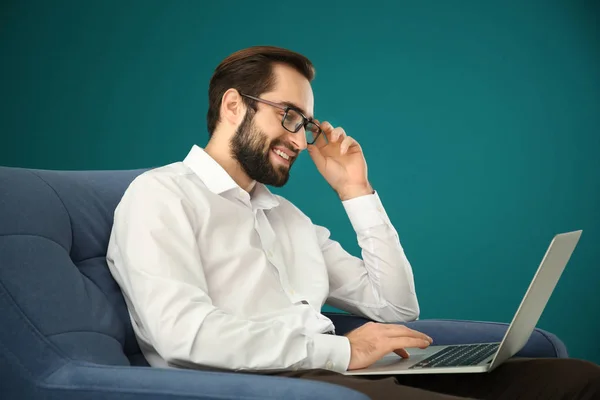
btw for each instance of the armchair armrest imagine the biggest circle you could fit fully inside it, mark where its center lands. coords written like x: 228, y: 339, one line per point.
x: 446, y: 331
x: 85, y: 381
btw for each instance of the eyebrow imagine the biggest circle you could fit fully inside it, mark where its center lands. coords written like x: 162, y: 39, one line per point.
x: 292, y: 105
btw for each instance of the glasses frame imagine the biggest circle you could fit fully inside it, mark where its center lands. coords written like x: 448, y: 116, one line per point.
x: 305, y: 120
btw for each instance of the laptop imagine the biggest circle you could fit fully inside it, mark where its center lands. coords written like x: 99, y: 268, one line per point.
x: 484, y: 357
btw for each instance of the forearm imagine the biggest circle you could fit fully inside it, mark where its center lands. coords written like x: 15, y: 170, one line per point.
x: 390, y: 274
x: 381, y: 284
x: 194, y: 333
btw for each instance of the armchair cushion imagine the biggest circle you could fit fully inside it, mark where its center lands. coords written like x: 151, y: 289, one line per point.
x: 91, y: 381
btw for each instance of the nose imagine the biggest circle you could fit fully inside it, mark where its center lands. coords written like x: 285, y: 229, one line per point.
x: 298, y: 139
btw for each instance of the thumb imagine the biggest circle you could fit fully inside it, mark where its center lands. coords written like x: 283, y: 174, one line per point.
x: 402, y: 353
x: 317, y: 157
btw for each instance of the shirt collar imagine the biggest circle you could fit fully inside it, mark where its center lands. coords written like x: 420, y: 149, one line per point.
x: 218, y: 181
x: 263, y: 198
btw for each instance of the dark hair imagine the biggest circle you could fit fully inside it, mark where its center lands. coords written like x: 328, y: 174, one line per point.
x: 250, y: 71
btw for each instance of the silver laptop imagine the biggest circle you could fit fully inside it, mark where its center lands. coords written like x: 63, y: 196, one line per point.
x: 483, y: 357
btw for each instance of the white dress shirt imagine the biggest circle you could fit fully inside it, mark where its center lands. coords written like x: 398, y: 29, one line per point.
x: 214, y: 276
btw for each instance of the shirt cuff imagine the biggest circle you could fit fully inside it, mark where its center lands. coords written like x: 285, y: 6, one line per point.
x: 331, y: 352
x: 366, y: 212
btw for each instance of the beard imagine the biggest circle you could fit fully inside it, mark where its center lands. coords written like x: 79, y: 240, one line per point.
x: 250, y: 147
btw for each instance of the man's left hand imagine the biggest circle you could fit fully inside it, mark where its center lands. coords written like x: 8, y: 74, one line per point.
x: 341, y: 162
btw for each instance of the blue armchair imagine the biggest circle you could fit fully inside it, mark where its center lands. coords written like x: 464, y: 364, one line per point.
x: 64, y: 328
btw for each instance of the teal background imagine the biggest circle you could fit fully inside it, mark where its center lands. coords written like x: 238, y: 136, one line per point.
x: 480, y: 123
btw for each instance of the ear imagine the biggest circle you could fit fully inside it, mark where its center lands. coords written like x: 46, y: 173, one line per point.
x: 232, y: 107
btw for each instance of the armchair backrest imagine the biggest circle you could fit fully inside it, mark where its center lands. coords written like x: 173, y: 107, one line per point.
x: 58, y: 300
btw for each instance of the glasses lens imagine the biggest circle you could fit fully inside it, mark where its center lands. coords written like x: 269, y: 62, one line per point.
x: 293, y: 120
x: 312, y: 132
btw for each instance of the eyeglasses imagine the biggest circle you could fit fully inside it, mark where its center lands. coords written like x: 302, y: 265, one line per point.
x: 293, y: 120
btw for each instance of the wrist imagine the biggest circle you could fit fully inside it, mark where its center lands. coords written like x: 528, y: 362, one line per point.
x: 351, y: 192
x: 332, y: 352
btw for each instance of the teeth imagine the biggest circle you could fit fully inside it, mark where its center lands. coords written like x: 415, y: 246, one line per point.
x: 282, y: 154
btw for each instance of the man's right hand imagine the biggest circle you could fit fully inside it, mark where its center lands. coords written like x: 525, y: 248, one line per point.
x: 370, y: 342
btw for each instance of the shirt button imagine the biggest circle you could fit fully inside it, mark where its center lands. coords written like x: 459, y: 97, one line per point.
x: 269, y: 254
x: 329, y: 365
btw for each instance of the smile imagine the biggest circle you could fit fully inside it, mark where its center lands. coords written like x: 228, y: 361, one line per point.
x: 281, y: 157
x: 281, y: 154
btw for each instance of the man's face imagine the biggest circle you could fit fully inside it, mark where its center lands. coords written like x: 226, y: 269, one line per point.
x: 260, y: 139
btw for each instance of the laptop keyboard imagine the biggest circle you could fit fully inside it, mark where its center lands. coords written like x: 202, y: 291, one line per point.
x: 459, y: 355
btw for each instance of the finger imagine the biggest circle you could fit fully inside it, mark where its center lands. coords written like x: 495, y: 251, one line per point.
x: 404, y: 342
x: 318, y: 158
x: 402, y: 353
x: 395, y: 330
x: 346, y: 143
x: 327, y: 130
x: 338, y: 133
x: 321, y: 141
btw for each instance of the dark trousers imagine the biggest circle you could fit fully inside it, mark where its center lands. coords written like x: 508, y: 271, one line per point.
x: 544, y: 378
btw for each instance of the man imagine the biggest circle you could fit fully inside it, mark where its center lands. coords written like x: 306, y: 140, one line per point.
x: 218, y: 272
